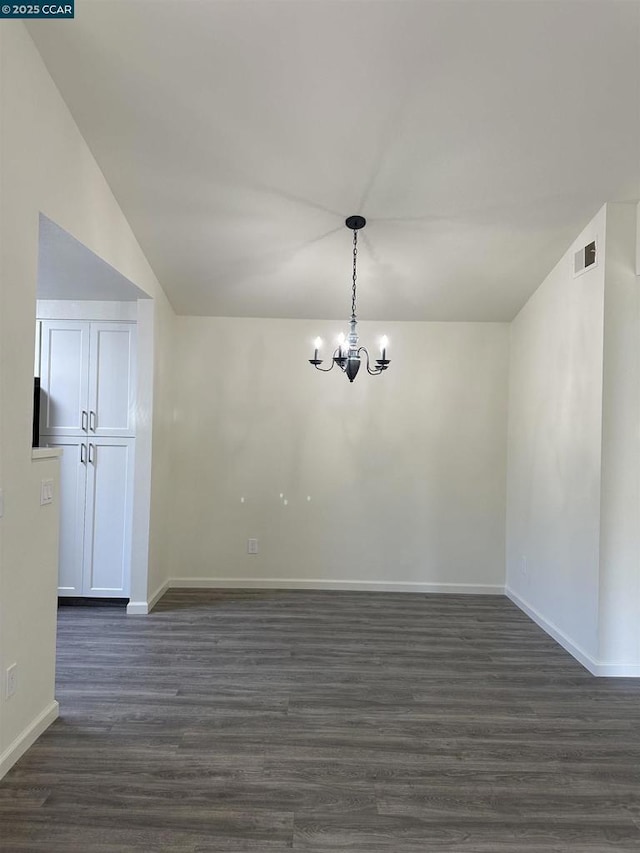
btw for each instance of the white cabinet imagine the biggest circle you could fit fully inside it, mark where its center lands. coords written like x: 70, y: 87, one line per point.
x: 96, y: 488
x: 73, y: 485
x: 87, y: 378
x: 64, y: 377
x: 112, y: 372
x: 87, y: 375
x: 108, y: 513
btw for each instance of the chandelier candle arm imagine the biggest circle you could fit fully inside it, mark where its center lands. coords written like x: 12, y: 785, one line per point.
x: 347, y: 354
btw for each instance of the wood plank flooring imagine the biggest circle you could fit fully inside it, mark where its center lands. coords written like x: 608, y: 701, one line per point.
x: 325, y: 721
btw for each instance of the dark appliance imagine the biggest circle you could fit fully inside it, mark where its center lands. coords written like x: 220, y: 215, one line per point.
x: 36, y: 412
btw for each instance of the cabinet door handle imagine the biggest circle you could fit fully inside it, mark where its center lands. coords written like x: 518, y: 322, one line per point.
x: 92, y: 457
x: 83, y: 454
x: 92, y: 421
x: 84, y: 421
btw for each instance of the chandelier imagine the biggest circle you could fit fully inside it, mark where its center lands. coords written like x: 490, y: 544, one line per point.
x: 347, y: 355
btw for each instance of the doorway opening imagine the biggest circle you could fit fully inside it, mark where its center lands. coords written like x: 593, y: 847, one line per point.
x: 94, y: 368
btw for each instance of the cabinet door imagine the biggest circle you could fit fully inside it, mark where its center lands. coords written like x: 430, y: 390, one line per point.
x: 64, y: 377
x: 112, y: 379
x: 73, y: 481
x: 107, y: 526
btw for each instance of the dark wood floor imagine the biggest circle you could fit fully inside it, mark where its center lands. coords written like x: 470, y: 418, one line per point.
x: 326, y: 721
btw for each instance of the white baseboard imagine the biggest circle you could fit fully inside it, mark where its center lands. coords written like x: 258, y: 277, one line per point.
x: 24, y: 740
x: 595, y: 667
x: 317, y: 583
x: 157, y: 595
x: 618, y: 670
x: 142, y: 608
x: 137, y: 608
x: 559, y: 636
x: 598, y: 668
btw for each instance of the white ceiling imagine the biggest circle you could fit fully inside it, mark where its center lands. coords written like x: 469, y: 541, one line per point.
x: 68, y: 270
x: 478, y: 138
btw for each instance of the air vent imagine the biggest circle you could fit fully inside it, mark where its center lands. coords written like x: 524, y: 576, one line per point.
x: 585, y: 259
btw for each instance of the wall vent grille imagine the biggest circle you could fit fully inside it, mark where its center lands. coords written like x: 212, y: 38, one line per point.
x: 585, y: 258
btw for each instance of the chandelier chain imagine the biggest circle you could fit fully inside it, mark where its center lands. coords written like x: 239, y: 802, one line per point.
x: 355, y: 256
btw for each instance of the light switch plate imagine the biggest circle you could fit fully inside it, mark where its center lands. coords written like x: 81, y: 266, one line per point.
x: 11, y: 681
x: 46, y: 492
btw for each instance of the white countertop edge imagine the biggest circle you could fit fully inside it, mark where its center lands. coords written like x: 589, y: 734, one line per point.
x: 46, y: 452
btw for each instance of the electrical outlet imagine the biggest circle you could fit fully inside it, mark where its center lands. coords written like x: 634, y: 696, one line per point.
x: 46, y: 492
x: 12, y: 680
x: 252, y: 546
x: 524, y: 567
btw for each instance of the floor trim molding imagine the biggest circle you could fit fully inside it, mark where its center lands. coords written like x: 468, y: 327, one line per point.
x: 553, y: 631
x: 618, y: 670
x: 142, y: 608
x: 316, y: 583
x: 27, y: 737
x: 137, y: 608
x: 595, y: 667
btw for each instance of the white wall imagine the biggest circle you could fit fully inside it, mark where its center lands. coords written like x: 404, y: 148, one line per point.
x: 619, y: 605
x: 405, y: 471
x: 161, y: 497
x: 47, y: 168
x: 573, y: 494
x: 554, y: 448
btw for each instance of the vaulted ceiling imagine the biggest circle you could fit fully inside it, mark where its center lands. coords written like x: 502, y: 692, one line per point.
x: 477, y: 138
